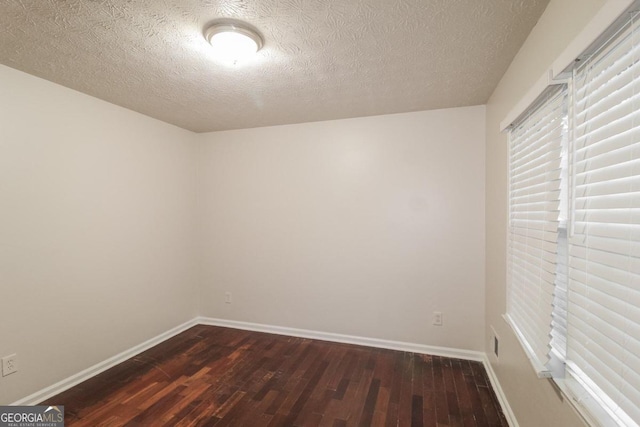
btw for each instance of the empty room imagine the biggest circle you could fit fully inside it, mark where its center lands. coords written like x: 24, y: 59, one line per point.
x: 320, y: 213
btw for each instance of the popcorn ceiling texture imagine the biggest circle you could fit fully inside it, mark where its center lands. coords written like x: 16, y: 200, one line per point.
x: 321, y: 60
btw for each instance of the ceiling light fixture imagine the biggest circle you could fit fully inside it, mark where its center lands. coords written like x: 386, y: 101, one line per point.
x: 233, y: 41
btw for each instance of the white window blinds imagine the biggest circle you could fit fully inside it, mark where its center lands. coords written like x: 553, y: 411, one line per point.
x: 535, y: 148
x: 603, y: 342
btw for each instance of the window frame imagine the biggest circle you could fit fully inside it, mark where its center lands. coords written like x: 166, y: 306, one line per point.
x: 604, y: 26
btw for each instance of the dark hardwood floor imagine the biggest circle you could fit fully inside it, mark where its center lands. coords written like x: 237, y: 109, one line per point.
x: 211, y: 376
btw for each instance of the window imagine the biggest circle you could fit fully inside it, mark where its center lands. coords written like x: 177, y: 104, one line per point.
x: 603, y: 338
x: 574, y: 231
x: 535, y: 169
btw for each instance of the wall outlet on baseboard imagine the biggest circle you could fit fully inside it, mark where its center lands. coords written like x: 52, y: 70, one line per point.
x: 227, y: 297
x: 9, y: 364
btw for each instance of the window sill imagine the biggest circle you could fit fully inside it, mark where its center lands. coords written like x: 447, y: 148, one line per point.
x: 589, y: 409
x: 539, y: 368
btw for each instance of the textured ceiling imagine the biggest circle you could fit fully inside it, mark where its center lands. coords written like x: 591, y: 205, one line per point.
x: 322, y: 59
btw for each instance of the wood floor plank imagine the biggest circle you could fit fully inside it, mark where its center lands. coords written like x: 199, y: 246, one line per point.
x: 428, y: 389
x: 441, y: 401
x: 464, y: 399
x: 404, y: 404
x: 396, y: 382
x: 455, y: 417
x: 211, y: 376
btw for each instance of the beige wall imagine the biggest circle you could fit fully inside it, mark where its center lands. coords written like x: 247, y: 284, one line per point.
x: 96, y: 230
x: 362, y: 226
x: 534, y: 401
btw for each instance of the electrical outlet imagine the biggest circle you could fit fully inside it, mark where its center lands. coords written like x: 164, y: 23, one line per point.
x: 227, y: 297
x: 9, y: 365
x: 437, y: 318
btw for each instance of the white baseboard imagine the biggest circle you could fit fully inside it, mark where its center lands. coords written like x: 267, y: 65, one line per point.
x: 347, y: 339
x: 502, y: 398
x: 96, y: 369
x: 379, y: 343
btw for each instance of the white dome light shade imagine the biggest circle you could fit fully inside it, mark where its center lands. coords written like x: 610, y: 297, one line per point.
x: 233, y: 42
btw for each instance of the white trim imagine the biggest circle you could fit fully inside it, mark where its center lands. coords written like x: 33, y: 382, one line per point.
x: 527, y: 100
x: 589, y: 406
x: 578, y: 401
x: 98, y: 368
x: 502, y: 397
x: 598, y: 26
x: 477, y: 356
x: 594, y: 30
x: 378, y: 343
x: 540, y: 369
